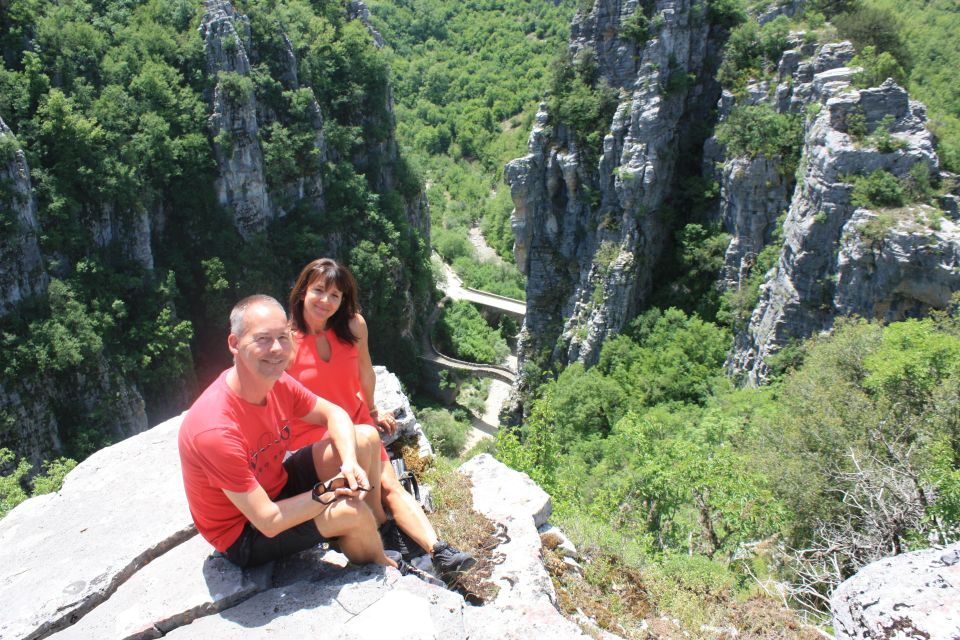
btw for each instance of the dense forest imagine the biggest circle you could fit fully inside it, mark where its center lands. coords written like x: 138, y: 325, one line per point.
x: 110, y: 102
x: 701, y: 496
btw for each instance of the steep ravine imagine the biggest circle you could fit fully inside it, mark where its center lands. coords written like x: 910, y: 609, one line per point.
x: 240, y: 56
x: 589, y: 233
x: 588, y: 226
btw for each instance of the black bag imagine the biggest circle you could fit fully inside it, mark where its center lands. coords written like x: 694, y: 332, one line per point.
x: 407, y: 479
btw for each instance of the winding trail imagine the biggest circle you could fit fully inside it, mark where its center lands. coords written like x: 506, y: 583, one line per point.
x: 502, y: 378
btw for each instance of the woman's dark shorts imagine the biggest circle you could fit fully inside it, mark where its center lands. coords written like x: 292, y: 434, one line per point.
x: 253, y: 548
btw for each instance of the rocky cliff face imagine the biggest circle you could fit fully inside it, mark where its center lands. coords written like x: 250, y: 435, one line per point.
x: 836, y: 259
x: 35, y: 411
x: 588, y: 232
x: 22, y: 270
x: 589, y: 235
x: 233, y: 124
x: 240, y: 56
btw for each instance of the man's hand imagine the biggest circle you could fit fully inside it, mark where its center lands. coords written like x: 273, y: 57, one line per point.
x: 356, y: 478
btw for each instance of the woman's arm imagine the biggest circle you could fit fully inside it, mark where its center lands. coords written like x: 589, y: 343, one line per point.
x: 368, y: 379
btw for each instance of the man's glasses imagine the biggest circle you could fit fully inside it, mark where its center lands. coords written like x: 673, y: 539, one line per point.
x: 325, y: 492
x: 284, y: 435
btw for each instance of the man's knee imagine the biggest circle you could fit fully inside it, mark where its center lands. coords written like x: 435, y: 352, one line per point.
x: 346, y: 515
x: 367, y: 436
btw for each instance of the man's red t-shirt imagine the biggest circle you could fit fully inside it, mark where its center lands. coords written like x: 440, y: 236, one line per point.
x: 228, y: 443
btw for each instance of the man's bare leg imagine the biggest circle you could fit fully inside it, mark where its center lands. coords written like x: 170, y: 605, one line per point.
x: 368, y: 444
x: 351, y: 522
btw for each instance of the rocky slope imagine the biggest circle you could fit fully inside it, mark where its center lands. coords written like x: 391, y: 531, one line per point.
x: 589, y: 232
x: 836, y: 258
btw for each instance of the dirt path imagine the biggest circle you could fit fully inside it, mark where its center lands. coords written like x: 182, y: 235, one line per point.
x: 485, y: 252
x: 486, y: 425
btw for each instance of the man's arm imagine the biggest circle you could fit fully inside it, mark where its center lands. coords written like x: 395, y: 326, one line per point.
x: 271, y: 518
x: 344, y: 439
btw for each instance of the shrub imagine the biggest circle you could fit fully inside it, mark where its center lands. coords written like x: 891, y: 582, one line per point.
x: 236, y: 87
x: 467, y: 335
x: 877, y: 68
x: 726, y: 13
x: 752, y: 48
x: 879, y: 189
x: 882, y: 139
x: 874, y: 27
x: 582, y: 100
x: 446, y: 433
x: 636, y: 27
x: 756, y: 130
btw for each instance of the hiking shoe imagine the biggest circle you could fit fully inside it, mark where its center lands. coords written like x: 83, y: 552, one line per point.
x: 395, y: 539
x: 407, y: 569
x: 450, y: 562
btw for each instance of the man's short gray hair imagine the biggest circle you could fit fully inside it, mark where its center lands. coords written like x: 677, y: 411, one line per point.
x: 239, y: 311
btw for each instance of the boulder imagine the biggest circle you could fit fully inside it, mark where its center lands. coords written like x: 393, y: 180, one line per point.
x: 63, y: 554
x: 913, y: 595
x: 114, y: 555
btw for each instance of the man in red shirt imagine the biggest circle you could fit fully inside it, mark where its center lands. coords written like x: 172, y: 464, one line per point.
x: 247, y: 498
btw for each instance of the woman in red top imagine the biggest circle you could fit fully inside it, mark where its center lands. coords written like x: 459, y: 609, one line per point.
x: 333, y: 361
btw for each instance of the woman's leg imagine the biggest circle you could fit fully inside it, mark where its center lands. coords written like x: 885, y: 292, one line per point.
x: 368, y: 455
x: 406, y: 510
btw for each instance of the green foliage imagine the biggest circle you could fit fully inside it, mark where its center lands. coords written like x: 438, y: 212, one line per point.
x: 13, y: 475
x: 500, y: 279
x: 754, y: 130
x: 860, y: 428
x: 236, y: 87
x: 876, y: 27
x: 463, y: 333
x: 925, y: 29
x: 53, y: 475
x: 917, y: 184
x: 883, y: 140
x: 460, y: 114
x: 699, y: 257
x: 636, y: 27
x: 726, y: 13
x: 832, y: 8
x: 752, y: 49
x: 581, y: 99
x: 14, y: 479
x: 877, y: 68
x: 447, y: 434
x: 109, y: 100
x: 879, y: 189
x: 64, y: 341
x: 678, y: 80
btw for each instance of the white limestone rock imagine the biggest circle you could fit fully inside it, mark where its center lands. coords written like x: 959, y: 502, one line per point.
x: 114, y: 555
x: 63, y: 554
x: 913, y: 595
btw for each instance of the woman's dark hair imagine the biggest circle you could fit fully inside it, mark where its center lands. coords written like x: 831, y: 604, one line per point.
x: 327, y: 272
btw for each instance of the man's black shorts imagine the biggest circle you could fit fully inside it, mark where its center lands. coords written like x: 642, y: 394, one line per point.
x: 253, y: 548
